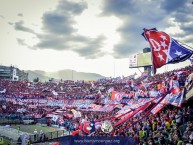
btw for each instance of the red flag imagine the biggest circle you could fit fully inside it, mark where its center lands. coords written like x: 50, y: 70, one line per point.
x: 159, y: 42
x: 165, y: 49
x: 113, y: 95
x: 75, y: 132
x: 85, y: 127
x: 117, y: 96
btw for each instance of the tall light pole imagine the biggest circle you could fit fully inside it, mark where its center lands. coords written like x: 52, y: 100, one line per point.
x: 114, y: 68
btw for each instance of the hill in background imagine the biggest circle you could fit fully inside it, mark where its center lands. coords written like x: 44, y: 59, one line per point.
x: 62, y: 74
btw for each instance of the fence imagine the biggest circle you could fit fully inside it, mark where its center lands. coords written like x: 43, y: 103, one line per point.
x: 11, y: 135
x: 4, y: 121
x: 46, y: 136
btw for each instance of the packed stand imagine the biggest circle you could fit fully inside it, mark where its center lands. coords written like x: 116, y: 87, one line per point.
x: 172, y: 125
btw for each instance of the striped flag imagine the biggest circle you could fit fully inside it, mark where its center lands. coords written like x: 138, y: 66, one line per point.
x: 176, y: 99
x: 157, y: 108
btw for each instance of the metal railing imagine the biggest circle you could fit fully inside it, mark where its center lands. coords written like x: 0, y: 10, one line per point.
x: 47, y: 136
x: 10, y: 121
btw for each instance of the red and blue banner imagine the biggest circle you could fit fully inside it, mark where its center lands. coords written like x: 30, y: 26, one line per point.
x: 165, y: 49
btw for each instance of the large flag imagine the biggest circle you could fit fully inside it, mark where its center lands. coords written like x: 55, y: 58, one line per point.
x: 88, y: 126
x: 165, y: 49
x: 176, y: 97
x: 117, y: 96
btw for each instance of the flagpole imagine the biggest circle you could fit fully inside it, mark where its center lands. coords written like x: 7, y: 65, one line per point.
x: 139, y: 69
x: 72, y: 75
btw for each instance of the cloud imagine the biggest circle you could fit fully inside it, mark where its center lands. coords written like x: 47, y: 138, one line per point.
x: 182, y: 12
x: 118, y: 8
x: 20, y: 14
x: 71, y: 8
x: 85, y: 47
x: 91, y: 49
x: 58, y: 23
x: 1, y: 16
x: 51, y: 42
x: 59, y: 32
x: 140, y: 14
x: 187, y: 27
x: 131, y: 41
x: 135, y: 15
x: 22, y: 42
x: 189, y: 40
x: 61, y: 20
x: 172, y: 6
x: 20, y: 27
x: 10, y: 23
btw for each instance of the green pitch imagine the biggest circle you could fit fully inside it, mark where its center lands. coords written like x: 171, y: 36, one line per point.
x: 31, y: 128
x: 11, y: 134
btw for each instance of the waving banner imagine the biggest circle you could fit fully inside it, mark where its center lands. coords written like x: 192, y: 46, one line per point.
x: 165, y: 49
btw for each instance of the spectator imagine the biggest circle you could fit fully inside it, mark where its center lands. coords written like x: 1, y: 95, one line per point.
x: 41, y: 135
x: 35, y: 135
x: 178, y: 118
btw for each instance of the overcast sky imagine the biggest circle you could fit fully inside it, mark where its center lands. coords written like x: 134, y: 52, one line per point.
x: 87, y: 35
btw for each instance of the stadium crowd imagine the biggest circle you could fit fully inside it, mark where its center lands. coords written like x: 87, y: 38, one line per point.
x: 170, y: 126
